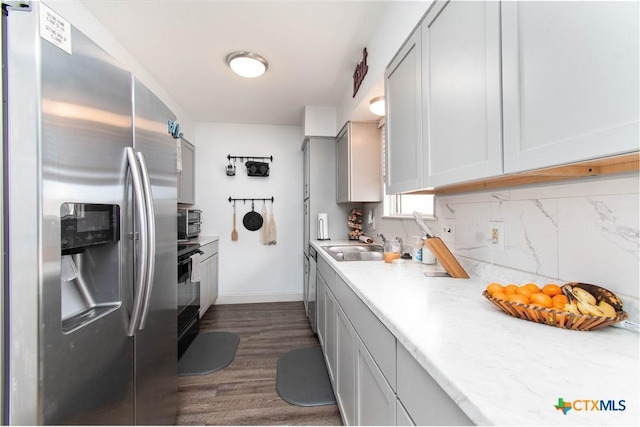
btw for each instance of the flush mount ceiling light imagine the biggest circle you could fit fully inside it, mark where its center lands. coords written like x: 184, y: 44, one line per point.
x: 247, y: 64
x: 376, y: 105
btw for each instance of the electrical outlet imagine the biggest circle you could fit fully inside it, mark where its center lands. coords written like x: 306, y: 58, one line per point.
x: 448, y: 231
x: 496, y: 236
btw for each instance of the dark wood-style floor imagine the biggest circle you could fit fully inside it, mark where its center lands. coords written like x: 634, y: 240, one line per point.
x: 244, y: 393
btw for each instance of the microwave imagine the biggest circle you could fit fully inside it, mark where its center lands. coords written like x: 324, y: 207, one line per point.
x: 188, y: 223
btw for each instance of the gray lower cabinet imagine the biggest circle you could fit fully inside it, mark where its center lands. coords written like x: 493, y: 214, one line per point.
x: 362, y: 390
x: 425, y: 401
x: 330, y: 341
x: 346, y: 364
x: 402, y: 417
x: 208, y: 276
x: 376, y: 404
x: 375, y: 379
x: 321, y: 299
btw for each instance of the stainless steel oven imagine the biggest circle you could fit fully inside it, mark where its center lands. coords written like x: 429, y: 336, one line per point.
x: 188, y: 298
x: 189, y: 221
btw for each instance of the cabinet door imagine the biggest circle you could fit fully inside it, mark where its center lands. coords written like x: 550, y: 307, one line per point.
x: 425, y: 401
x: 305, y: 286
x: 403, y: 97
x: 330, y: 335
x: 462, y: 125
x: 402, y: 417
x: 376, y: 399
x: 570, y: 72
x: 204, y: 286
x: 343, y: 159
x: 213, y: 279
x: 186, y: 179
x: 321, y: 298
x: 306, y: 227
x: 346, y: 368
x: 306, y: 171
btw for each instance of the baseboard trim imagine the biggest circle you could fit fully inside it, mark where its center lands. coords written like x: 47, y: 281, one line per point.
x: 257, y: 298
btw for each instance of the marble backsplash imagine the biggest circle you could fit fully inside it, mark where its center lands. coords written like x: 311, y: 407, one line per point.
x: 581, y: 231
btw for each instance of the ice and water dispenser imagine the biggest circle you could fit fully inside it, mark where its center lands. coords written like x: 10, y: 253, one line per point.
x: 90, y: 262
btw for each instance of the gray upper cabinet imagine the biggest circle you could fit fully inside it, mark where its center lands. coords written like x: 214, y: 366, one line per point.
x: 403, y: 97
x: 507, y: 87
x: 462, y: 128
x: 359, y: 163
x: 570, y: 72
x: 186, y: 177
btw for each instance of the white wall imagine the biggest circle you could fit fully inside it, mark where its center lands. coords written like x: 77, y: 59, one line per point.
x: 74, y: 12
x: 396, y: 22
x: 583, y: 231
x: 249, y: 271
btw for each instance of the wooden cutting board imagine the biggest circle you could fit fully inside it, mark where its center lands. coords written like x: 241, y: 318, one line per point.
x: 445, y: 257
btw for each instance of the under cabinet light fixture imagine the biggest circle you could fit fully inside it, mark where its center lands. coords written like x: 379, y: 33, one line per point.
x: 247, y: 64
x: 376, y: 106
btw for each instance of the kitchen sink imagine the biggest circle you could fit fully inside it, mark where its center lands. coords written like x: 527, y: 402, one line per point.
x: 355, y: 252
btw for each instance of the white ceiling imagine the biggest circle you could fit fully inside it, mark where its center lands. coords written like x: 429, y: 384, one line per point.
x: 312, y: 48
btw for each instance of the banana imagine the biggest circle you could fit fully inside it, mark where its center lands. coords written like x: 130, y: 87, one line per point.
x: 607, y: 309
x: 590, y: 309
x: 571, y: 307
x: 583, y: 296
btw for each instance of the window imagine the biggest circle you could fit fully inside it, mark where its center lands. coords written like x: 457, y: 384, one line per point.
x: 403, y: 205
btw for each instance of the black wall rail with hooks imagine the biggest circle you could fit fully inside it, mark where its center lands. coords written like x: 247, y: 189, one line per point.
x: 271, y: 199
x: 243, y: 158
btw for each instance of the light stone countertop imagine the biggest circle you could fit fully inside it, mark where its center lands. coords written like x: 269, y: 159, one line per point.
x: 204, y: 240
x: 500, y: 370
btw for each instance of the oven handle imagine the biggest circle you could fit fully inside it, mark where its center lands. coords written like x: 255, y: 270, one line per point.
x: 142, y: 219
x: 151, y: 235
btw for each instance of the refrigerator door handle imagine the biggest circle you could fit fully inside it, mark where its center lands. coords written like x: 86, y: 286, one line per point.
x: 141, y: 266
x: 151, y: 238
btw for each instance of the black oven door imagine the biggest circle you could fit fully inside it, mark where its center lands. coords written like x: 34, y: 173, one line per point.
x: 188, y: 302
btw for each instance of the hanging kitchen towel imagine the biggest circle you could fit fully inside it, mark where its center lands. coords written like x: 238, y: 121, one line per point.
x: 272, y: 231
x: 264, y: 231
x: 195, y: 267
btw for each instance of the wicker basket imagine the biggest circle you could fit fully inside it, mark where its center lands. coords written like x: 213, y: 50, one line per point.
x: 551, y: 317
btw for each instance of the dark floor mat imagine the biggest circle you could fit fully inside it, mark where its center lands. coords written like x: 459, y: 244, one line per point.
x: 209, y: 352
x: 302, y: 378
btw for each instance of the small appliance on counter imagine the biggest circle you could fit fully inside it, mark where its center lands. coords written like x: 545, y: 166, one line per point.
x: 323, y: 226
x: 189, y: 221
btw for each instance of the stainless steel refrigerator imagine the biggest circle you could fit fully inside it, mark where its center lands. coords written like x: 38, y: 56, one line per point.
x: 89, y: 269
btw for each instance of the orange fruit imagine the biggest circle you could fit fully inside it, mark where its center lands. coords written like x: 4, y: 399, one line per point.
x: 510, y: 289
x: 551, y: 289
x: 500, y: 295
x: 560, y: 300
x: 492, y: 288
x: 542, y: 299
x: 518, y: 298
x: 526, y: 291
x: 532, y: 287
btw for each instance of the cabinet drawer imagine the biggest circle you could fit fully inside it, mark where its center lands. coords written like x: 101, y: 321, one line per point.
x: 326, y: 271
x: 375, y: 336
x: 209, y: 249
x: 426, y: 402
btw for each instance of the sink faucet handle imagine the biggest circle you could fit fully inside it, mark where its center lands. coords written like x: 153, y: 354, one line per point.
x: 380, y: 235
